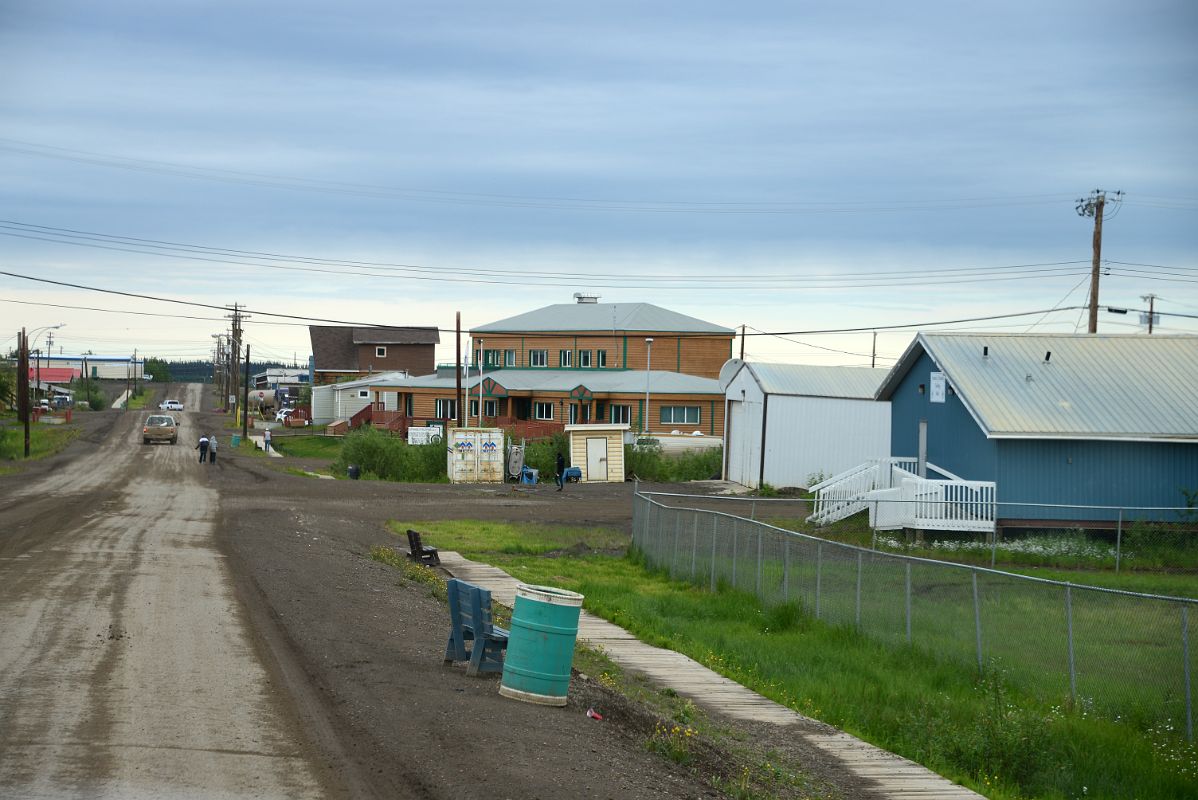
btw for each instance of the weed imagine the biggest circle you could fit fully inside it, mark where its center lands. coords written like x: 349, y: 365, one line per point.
x: 672, y: 741
x: 649, y: 463
x: 417, y: 573
x: 388, y: 458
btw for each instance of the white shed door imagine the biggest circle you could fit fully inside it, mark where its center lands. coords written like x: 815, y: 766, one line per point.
x: 738, y: 445
x: 597, y: 459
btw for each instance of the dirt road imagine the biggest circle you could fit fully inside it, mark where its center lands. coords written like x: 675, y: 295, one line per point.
x: 127, y: 668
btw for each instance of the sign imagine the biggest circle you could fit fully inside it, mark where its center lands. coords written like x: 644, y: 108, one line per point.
x: 937, y: 383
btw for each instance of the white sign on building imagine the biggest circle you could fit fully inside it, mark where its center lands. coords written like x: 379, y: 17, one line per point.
x: 937, y: 387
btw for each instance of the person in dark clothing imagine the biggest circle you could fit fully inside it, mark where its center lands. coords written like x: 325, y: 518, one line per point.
x: 203, y: 448
x: 561, y: 472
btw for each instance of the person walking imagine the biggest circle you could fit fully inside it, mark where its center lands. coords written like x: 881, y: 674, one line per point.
x: 203, y: 447
x: 561, y: 472
x: 212, y: 450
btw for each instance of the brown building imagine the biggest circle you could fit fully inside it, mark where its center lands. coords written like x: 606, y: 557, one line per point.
x: 589, y: 335
x: 343, y: 353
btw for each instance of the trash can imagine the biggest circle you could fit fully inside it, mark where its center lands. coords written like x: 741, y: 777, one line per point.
x: 235, y: 441
x: 540, y: 648
x: 529, y: 475
x: 353, y: 471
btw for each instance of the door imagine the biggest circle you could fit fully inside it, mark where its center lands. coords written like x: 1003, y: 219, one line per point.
x: 597, y: 458
x: 738, y: 445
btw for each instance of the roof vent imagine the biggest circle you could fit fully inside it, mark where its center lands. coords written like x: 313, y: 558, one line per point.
x: 1047, y: 356
x: 590, y: 299
x: 986, y: 351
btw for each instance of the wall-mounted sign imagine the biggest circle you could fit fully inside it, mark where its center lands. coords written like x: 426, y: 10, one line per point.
x: 937, y: 384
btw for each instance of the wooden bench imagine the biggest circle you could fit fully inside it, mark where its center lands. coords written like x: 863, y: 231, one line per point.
x: 470, y: 624
x: 419, y: 551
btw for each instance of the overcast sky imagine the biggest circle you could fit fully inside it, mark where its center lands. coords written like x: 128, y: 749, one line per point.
x: 791, y: 166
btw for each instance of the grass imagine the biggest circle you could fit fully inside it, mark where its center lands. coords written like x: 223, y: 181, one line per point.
x: 44, y: 440
x: 306, y: 446
x: 987, y: 732
x: 385, y: 457
x: 137, y: 402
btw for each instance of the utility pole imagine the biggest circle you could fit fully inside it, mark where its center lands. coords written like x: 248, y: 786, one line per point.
x: 234, y: 367
x: 1151, y: 298
x: 458, y: 351
x: 23, y: 384
x: 1094, y: 206
x: 742, y: 342
x: 873, y: 353
x: 245, y: 417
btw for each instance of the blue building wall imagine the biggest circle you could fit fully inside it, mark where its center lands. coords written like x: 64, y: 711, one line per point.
x: 955, y: 442
x: 1041, y: 470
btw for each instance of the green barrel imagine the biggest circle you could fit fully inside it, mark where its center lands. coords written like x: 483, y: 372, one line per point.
x: 235, y: 440
x: 540, y: 646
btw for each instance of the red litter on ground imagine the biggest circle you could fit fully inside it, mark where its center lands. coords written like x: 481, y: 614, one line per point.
x: 593, y: 714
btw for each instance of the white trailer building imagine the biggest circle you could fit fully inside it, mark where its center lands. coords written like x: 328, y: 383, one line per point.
x: 791, y: 425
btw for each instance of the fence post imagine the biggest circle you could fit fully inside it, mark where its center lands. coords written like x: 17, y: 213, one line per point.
x: 977, y: 619
x: 1118, y: 541
x: 735, y: 537
x: 873, y: 528
x: 1185, y: 654
x: 860, y: 556
x: 760, y: 588
x: 694, y: 544
x: 715, y: 526
x: 753, y: 511
x: 1069, y: 631
x: 819, y: 570
x: 677, y: 531
x: 786, y: 570
x: 994, y: 542
x: 908, y: 602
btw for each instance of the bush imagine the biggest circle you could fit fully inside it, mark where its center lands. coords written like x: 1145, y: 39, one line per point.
x: 541, y: 454
x: 383, y: 456
x: 649, y: 463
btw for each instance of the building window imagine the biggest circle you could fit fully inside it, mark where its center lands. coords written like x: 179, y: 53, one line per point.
x: 363, y: 394
x: 380, y: 352
x: 538, y: 358
x: 679, y: 415
x: 446, y: 409
x: 490, y: 408
x: 565, y: 358
x: 491, y: 358
x: 542, y: 411
x: 474, y: 408
x: 601, y: 359
x: 584, y: 359
x: 621, y: 415
x: 509, y: 358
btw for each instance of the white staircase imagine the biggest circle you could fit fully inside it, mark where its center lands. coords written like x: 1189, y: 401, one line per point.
x: 896, y: 497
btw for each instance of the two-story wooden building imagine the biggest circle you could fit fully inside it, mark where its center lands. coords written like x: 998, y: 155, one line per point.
x: 344, y: 353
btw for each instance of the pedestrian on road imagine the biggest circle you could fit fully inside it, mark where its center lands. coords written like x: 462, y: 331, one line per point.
x: 561, y: 472
x: 212, y: 450
x: 203, y: 448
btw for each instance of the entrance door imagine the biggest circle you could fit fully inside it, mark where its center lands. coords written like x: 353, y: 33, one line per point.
x: 738, y: 445
x: 597, y: 459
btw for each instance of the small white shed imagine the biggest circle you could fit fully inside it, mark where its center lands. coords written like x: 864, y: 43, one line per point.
x: 598, y: 450
x: 791, y: 425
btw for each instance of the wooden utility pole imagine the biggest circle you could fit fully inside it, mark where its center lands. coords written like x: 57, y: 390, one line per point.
x: 1094, y: 206
x: 245, y: 417
x: 1151, y: 298
x: 23, y: 384
x: 458, y: 364
x: 873, y: 354
x: 742, y: 342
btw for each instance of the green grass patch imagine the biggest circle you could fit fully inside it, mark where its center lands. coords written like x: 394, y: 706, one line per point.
x: 304, y: 446
x: 476, y: 538
x: 385, y: 457
x: 44, y: 440
x: 137, y: 402
x: 987, y: 732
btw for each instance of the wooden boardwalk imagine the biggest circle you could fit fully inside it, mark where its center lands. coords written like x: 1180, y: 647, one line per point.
x: 893, y: 776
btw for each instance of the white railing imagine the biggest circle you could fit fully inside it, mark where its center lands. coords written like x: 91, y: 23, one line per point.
x: 898, y: 498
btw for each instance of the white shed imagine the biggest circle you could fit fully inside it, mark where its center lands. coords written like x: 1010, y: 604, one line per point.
x: 791, y: 425
x: 598, y: 450
x: 342, y: 400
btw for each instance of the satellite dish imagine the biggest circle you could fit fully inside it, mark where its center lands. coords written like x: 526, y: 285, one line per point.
x: 728, y: 372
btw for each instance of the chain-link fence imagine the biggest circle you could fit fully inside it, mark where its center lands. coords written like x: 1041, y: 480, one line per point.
x: 1115, y: 653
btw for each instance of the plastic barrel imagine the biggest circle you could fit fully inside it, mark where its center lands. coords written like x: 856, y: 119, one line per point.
x: 540, y: 648
x: 354, y: 471
x: 235, y: 441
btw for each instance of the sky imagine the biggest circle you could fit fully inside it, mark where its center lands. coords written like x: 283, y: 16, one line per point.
x: 794, y: 167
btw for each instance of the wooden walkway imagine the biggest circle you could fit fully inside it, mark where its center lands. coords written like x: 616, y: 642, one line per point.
x: 894, y: 777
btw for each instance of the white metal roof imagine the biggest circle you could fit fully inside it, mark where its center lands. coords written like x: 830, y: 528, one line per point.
x: 806, y: 380
x: 1123, y: 387
x: 618, y: 317
x: 562, y: 380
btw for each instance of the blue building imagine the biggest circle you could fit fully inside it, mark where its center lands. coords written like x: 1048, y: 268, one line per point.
x: 1055, y: 419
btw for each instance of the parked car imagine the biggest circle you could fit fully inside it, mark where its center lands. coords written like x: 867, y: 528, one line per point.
x: 160, y: 427
x: 283, y: 413
x: 170, y: 405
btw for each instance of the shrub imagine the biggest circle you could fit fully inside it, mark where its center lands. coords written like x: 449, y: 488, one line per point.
x: 649, y: 463
x: 541, y: 454
x: 384, y: 456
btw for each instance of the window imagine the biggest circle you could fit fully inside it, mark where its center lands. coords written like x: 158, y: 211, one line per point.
x: 573, y: 414
x: 407, y: 404
x: 474, y: 408
x: 621, y: 415
x: 490, y: 408
x: 509, y: 358
x: 446, y: 409
x: 380, y: 352
x: 363, y: 393
x: 584, y: 359
x: 542, y: 410
x: 565, y: 358
x: 679, y: 415
x: 538, y: 358
x: 601, y: 359
x: 491, y: 358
